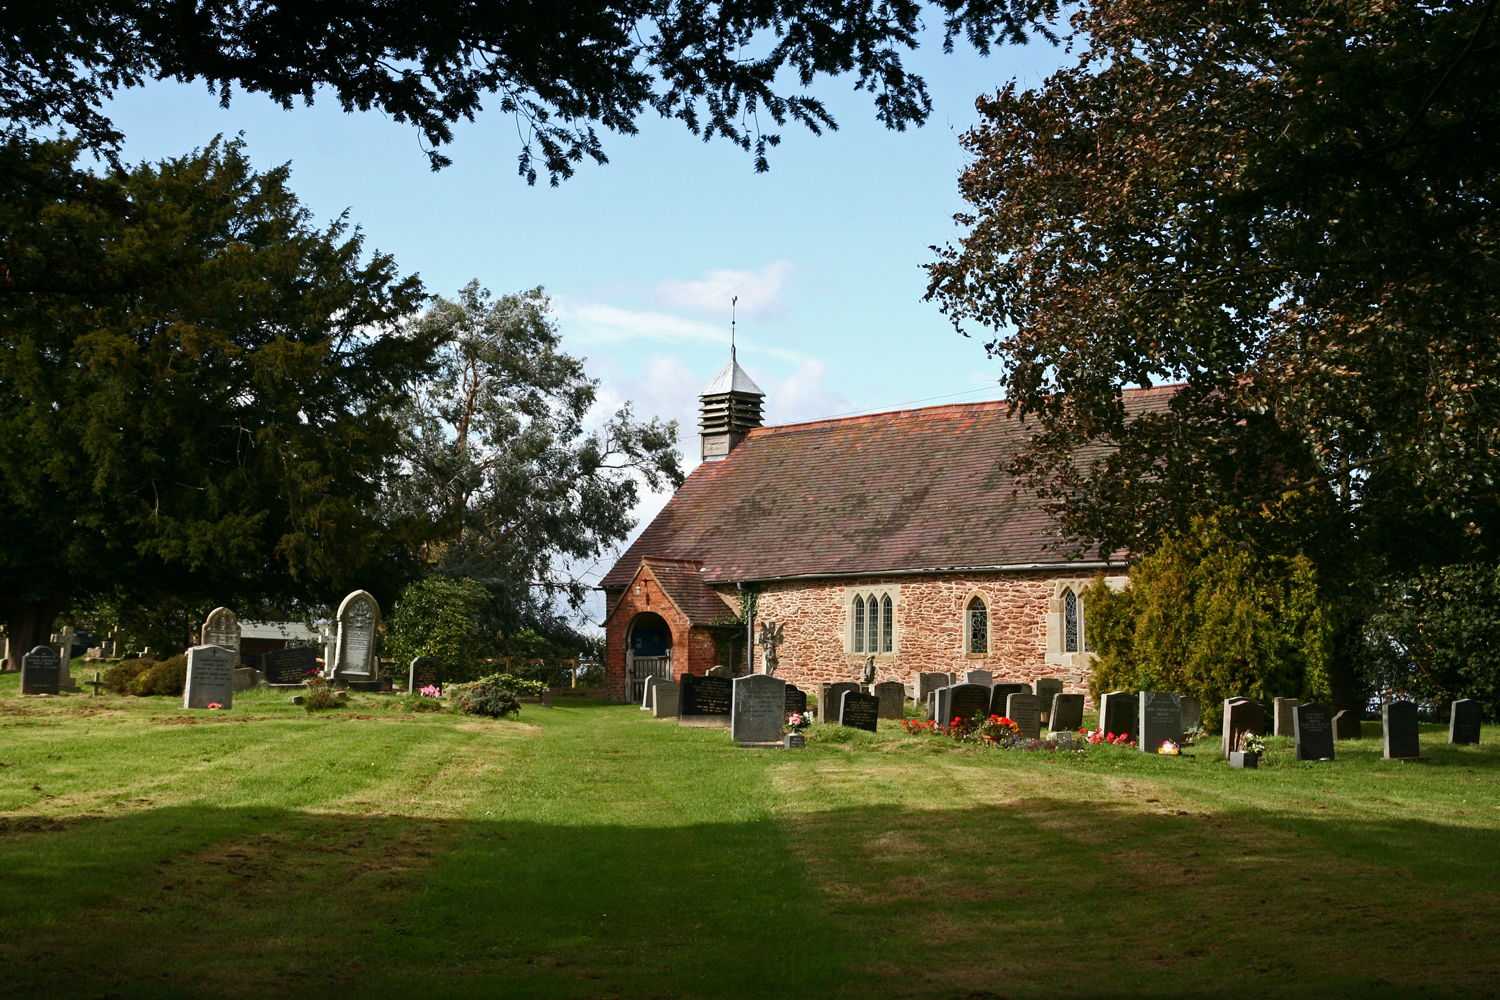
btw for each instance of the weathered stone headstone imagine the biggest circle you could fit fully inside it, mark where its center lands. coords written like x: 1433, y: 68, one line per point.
x: 1067, y: 713
x: 980, y: 677
x: 1000, y: 692
x: 1347, y: 725
x: 704, y: 701
x: 1047, y: 688
x: 221, y: 628
x: 796, y: 700
x: 828, y: 700
x: 1119, y: 714
x: 1312, y: 727
x: 41, y: 671
x: 1160, y: 719
x: 210, y: 677
x: 665, y: 699
x: 859, y: 711
x: 926, y: 684
x: 892, y: 697
x: 1192, y: 712
x: 1402, y: 738
x: 1463, y: 724
x: 424, y: 671
x: 651, y: 681
x: 1281, y: 709
x: 354, y: 657
x: 719, y: 670
x: 1025, y: 710
x: 1242, y: 716
x: 288, y: 667
x: 245, y: 678
x: 758, y: 708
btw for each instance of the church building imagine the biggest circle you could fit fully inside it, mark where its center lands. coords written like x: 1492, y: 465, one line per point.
x: 894, y: 535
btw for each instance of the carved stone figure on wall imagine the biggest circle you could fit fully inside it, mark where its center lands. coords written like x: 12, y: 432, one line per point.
x: 770, y: 638
x: 867, y: 676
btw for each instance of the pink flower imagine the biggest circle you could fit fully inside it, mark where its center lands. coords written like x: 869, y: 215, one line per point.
x: 214, y: 704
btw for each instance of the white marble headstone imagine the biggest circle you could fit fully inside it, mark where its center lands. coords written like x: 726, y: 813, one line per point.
x: 210, y: 677
x: 358, y: 622
x: 222, y: 628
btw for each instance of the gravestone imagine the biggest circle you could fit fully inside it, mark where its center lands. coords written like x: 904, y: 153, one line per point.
x: 1239, y: 758
x: 651, y: 681
x: 1399, y: 722
x: 828, y: 700
x: 1312, y: 726
x: 424, y: 671
x: 859, y: 711
x: 926, y: 684
x: 665, y: 699
x: 1118, y: 714
x: 41, y: 671
x: 1242, y: 716
x: 245, y: 678
x: 796, y: 700
x: 980, y: 677
x: 719, y: 670
x: 963, y: 701
x: 892, y: 697
x: 704, y: 701
x: 1192, y: 712
x: 221, y: 628
x: 1347, y: 725
x: 758, y: 708
x: 210, y: 677
x: 1048, y: 688
x: 1000, y: 692
x: 289, y: 667
x: 1025, y: 710
x: 358, y: 620
x: 1067, y: 713
x: 1281, y: 709
x: 1161, y: 719
x: 1463, y: 723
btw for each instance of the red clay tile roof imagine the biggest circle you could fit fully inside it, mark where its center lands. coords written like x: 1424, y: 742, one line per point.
x: 684, y: 585
x: 911, y: 491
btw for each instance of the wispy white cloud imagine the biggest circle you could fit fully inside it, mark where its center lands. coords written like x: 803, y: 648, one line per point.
x: 596, y: 323
x: 803, y: 395
x: 759, y: 291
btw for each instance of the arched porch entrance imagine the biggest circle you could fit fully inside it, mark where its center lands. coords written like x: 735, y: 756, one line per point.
x: 648, y: 652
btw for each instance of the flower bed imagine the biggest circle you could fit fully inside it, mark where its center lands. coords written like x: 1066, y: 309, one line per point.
x: 999, y: 733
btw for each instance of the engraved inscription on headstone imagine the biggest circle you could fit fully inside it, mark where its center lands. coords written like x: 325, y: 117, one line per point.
x: 758, y: 708
x: 1282, y: 714
x: 1241, y: 716
x: 210, y: 677
x: 221, y: 628
x: 1118, y: 714
x: 1312, y: 726
x: 285, y: 667
x: 859, y: 711
x: 665, y: 697
x: 706, y: 695
x: 892, y: 696
x: 1000, y: 692
x: 1067, y: 713
x: 425, y: 671
x: 796, y: 700
x: 1402, y: 739
x: 1192, y: 712
x: 1348, y: 726
x: 1025, y: 710
x: 358, y: 622
x: 1463, y: 724
x: 979, y: 677
x: 41, y: 671
x: 828, y: 700
x: 1160, y: 719
x: 1048, y: 688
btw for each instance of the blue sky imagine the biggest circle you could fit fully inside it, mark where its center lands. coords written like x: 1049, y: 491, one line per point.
x: 643, y: 254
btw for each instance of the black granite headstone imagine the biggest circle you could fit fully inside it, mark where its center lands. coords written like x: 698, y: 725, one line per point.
x: 41, y: 671
x: 1119, y: 713
x: 705, y: 695
x: 829, y: 699
x: 289, y: 667
x: 859, y: 711
x: 796, y: 700
x: 1067, y: 713
x: 425, y: 671
x: 1160, y: 714
x: 1399, y: 722
x: 1463, y: 724
x: 1312, y: 726
x: 1242, y: 716
x: 965, y: 701
x: 1000, y: 692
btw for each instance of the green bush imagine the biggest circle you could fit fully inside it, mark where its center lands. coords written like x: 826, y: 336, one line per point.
x: 1204, y: 615
x: 591, y: 676
x: 167, y: 677
x: 119, y: 675
x: 439, y: 617
x: 1437, y: 635
x: 496, y: 695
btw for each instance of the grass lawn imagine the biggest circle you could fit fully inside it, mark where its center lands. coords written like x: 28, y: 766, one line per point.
x: 589, y: 851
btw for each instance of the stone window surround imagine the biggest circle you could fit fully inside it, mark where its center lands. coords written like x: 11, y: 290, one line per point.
x: 963, y: 610
x: 1056, y: 655
x: 881, y: 591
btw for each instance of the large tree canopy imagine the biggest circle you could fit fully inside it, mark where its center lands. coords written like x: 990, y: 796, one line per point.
x: 562, y: 67
x: 1290, y: 207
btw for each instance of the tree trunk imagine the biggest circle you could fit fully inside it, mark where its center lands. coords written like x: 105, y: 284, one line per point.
x: 29, y: 624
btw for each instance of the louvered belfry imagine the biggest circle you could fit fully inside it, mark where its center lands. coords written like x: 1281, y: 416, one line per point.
x: 728, y: 407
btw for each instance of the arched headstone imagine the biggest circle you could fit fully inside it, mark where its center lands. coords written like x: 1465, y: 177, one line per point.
x: 221, y: 628
x: 358, y: 622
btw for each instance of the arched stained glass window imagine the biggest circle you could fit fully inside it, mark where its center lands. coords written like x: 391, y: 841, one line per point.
x: 859, y: 624
x: 979, y: 626
x: 874, y: 624
x: 887, y: 625
x: 1070, y: 622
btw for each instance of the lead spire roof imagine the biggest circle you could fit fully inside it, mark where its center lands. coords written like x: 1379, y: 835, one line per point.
x: 731, y: 378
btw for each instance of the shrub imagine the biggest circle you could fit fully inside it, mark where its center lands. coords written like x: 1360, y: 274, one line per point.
x: 439, y: 617
x: 321, y: 696
x: 495, y: 696
x: 167, y: 677
x: 1437, y: 636
x: 591, y: 676
x: 119, y: 675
